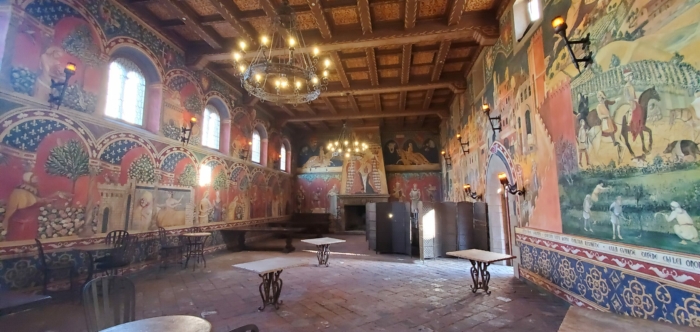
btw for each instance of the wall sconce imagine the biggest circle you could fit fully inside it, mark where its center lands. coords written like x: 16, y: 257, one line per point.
x: 60, y: 87
x: 560, y: 27
x: 187, y: 132
x: 495, y: 122
x: 470, y: 193
x: 511, y: 188
x: 243, y: 154
x: 448, y: 159
x: 465, y: 145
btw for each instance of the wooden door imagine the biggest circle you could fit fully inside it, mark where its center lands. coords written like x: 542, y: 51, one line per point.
x: 465, y: 225
x: 481, y: 226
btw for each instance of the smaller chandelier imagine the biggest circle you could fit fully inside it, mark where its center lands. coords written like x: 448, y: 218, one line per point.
x: 282, y: 70
x: 345, y: 146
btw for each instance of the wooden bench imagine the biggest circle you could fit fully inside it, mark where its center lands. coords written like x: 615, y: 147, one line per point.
x: 11, y: 302
x: 235, y: 237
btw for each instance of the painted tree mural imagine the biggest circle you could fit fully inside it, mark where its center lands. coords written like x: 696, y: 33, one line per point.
x: 188, y: 178
x: 142, y: 170
x: 220, y: 182
x: 69, y: 160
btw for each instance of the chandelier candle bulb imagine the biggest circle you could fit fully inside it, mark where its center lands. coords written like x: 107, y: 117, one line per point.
x: 242, y: 45
x: 292, y: 42
x: 316, y: 51
x: 236, y: 56
x: 263, y: 40
x: 327, y: 63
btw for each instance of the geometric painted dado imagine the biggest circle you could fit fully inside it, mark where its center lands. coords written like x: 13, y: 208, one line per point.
x: 671, y: 266
x: 610, y: 278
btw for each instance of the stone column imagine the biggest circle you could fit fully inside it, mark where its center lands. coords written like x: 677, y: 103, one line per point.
x: 263, y: 152
x: 152, y: 107
x: 225, y: 137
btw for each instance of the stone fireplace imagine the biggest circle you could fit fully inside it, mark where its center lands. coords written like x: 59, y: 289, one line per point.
x: 354, y: 200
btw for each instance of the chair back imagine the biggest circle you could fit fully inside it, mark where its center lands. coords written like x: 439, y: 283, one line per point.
x: 126, y: 254
x: 109, y: 301
x: 246, y: 328
x: 42, y: 257
x: 116, y: 238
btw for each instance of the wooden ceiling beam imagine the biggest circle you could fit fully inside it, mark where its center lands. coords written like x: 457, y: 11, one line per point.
x: 329, y: 105
x: 405, y: 63
x: 428, y: 98
x: 377, y: 102
x: 442, y: 113
x: 423, y: 48
x: 365, y: 16
x: 456, y: 11
x: 227, y: 10
x: 286, y: 110
x: 440, y: 60
x: 338, y: 66
x: 353, y: 104
x: 360, y: 90
x: 320, y: 16
x: 306, y: 108
x: 153, y: 21
x: 191, y: 20
x: 480, y: 26
x: 402, y: 100
x: 410, y: 14
x: 372, y: 66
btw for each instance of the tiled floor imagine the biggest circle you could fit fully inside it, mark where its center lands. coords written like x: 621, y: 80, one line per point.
x: 360, y: 291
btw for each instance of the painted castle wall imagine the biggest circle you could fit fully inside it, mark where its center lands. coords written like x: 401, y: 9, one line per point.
x: 69, y: 176
x: 607, y: 156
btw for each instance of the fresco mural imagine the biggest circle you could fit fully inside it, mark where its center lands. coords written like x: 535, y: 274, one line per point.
x: 317, y: 193
x: 69, y: 176
x: 621, y: 135
x: 314, y: 157
x: 414, y: 186
x: 411, y: 151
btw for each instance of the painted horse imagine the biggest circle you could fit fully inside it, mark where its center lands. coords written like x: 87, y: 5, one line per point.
x: 624, y: 115
x: 594, y: 124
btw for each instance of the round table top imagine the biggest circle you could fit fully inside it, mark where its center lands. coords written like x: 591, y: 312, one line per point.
x: 197, y: 234
x: 178, y: 323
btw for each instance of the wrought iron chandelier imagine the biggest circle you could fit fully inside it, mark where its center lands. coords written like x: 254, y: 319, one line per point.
x: 345, y: 146
x: 282, y: 70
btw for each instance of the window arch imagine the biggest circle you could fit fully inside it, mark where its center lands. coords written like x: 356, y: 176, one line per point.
x: 211, y: 127
x: 255, y: 147
x: 126, y: 91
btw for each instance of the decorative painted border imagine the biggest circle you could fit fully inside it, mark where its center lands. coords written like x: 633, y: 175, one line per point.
x: 666, y: 265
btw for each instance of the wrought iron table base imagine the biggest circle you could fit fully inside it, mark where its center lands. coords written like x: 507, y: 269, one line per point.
x: 480, y: 276
x: 323, y: 253
x: 270, y: 289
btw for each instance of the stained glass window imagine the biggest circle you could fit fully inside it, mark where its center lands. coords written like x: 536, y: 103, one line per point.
x: 211, y: 127
x: 125, y: 91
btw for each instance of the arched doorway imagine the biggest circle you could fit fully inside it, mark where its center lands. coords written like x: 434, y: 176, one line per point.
x: 501, y: 229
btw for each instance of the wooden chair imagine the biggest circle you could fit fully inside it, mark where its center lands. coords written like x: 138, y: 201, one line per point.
x: 109, y: 301
x: 246, y: 328
x: 119, y: 259
x: 50, y: 268
x: 168, y: 249
x: 116, y: 239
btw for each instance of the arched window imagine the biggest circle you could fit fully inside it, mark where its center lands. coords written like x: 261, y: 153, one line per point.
x: 255, y: 147
x: 211, y: 128
x: 283, y: 158
x: 125, y: 91
x: 528, y: 123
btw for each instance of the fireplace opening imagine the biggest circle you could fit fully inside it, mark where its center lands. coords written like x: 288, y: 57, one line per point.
x: 355, y: 217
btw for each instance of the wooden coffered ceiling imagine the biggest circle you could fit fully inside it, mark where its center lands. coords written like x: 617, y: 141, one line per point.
x: 395, y: 63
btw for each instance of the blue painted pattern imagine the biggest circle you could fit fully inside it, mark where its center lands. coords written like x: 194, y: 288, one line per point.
x: 114, y: 153
x: 171, y: 161
x: 617, y: 290
x: 49, y: 12
x: 28, y: 135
